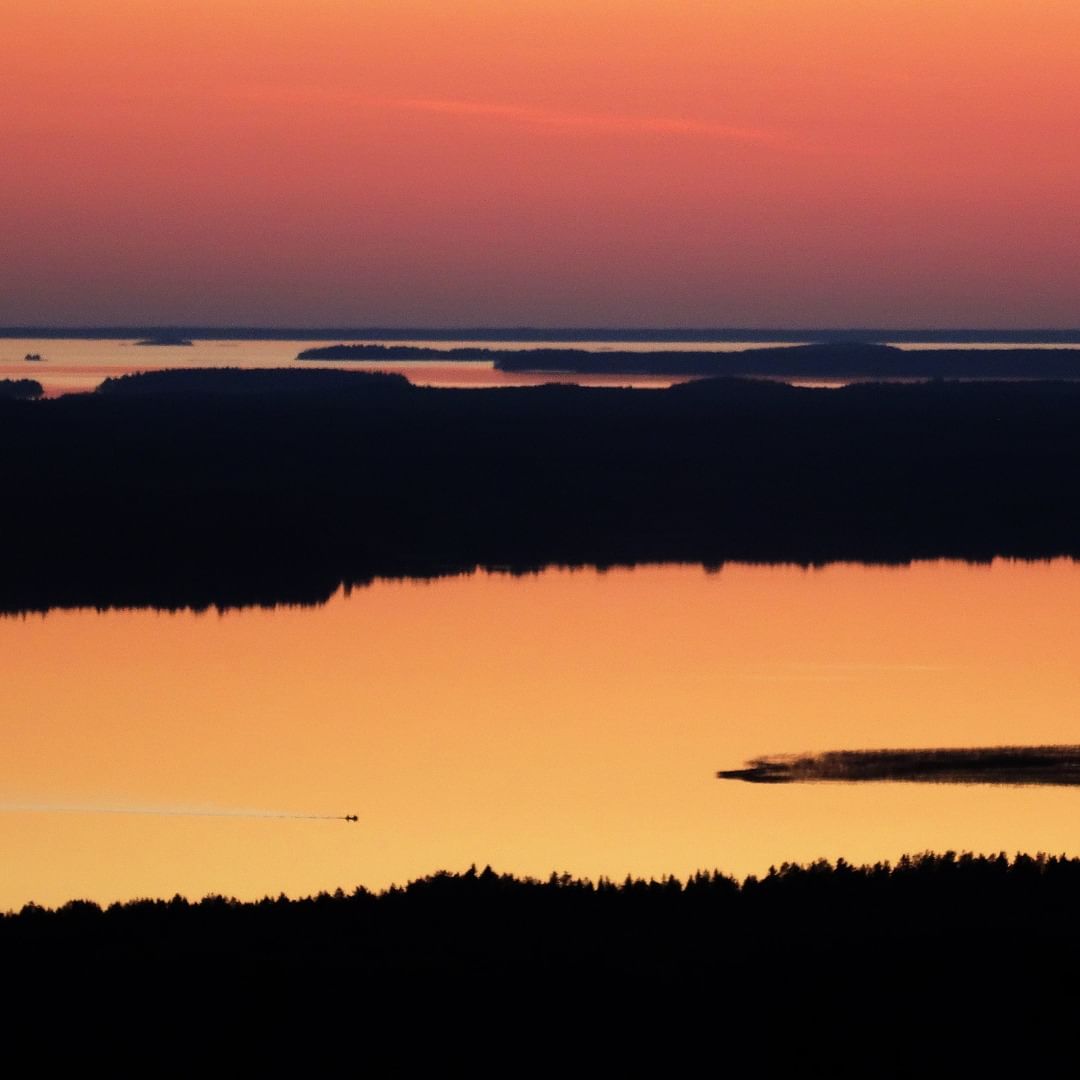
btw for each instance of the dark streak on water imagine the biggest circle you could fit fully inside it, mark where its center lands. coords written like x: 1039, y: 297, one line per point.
x: 1014, y: 765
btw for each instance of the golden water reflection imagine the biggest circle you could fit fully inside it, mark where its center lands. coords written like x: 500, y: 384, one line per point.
x: 571, y: 720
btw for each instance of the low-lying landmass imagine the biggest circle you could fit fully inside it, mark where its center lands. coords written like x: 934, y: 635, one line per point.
x: 201, y: 488
x: 1058, y: 766
x: 833, y: 360
x: 394, y: 352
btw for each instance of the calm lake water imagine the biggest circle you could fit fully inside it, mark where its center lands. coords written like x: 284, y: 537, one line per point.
x: 75, y: 365
x: 565, y: 721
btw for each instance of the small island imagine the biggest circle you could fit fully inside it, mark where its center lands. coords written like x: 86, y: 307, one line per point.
x: 395, y: 352
x: 165, y: 339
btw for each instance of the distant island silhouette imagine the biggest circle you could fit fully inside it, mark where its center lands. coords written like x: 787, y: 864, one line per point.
x: 165, y: 339
x: 218, y: 487
x: 397, y: 352
x: 1054, y: 765
x: 837, y: 360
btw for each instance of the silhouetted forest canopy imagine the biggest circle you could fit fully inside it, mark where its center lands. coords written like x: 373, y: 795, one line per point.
x: 499, y: 919
x: 199, y: 488
x: 923, y: 879
x: 1057, y: 766
x: 20, y: 388
x: 835, y: 360
x: 798, y: 929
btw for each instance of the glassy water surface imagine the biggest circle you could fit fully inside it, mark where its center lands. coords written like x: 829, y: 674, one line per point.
x: 572, y: 720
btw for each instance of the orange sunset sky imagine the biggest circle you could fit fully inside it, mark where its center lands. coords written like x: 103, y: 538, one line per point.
x: 547, y: 162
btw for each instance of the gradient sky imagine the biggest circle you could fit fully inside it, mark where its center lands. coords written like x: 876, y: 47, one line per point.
x: 548, y: 162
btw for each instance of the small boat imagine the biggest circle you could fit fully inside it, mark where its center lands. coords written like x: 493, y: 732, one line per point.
x: 33, y: 356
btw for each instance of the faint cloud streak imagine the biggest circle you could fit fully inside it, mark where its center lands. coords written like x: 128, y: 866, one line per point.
x: 556, y: 120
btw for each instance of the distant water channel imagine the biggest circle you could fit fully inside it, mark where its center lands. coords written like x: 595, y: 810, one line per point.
x: 572, y: 720
x: 79, y: 365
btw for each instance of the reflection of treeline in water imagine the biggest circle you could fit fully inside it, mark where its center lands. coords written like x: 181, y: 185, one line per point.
x: 20, y: 389
x: 1053, y: 765
x: 834, y: 360
x: 209, y: 487
x: 820, y: 936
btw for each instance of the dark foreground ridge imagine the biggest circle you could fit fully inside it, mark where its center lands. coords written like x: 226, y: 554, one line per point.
x: 1058, y: 766
x: 907, y: 953
x: 833, y: 360
x: 200, y: 488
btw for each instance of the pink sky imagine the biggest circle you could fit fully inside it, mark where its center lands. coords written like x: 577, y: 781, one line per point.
x: 439, y: 162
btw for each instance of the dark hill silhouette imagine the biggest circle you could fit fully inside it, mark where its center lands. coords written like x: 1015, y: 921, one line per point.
x: 197, y: 488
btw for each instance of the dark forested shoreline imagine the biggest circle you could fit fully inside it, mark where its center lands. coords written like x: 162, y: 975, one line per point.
x: 200, y: 488
x: 918, y: 895
x: 913, y: 954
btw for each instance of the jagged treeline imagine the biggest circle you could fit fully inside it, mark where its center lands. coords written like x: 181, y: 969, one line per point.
x: 198, y: 488
x: 795, y: 920
x: 906, y: 966
x: 923, y: 878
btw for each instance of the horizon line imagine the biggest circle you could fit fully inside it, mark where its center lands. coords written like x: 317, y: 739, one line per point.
x: 507, y: 332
